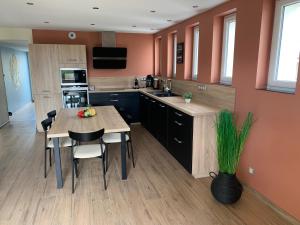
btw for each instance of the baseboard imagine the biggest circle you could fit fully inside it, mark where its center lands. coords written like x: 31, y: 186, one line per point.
x: 278, y: 210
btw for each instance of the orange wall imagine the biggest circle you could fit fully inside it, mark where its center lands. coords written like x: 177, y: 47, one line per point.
x: 139, y: 50
x: 273, y: 147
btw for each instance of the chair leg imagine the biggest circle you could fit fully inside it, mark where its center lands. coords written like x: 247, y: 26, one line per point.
x: 127, y: 145
x: 45, y: 163
x: 75, y: 161
x: 103, y: 166
x: 50, y: 158
x: 106, y: 157
x: 133, y: 163
x: 73, y: 169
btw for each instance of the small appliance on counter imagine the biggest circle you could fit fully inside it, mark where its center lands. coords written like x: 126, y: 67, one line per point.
x: 155, y: 83
x: 149, y: 81
x: 136, y: 84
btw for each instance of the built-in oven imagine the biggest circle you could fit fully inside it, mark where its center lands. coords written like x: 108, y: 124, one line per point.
x: 74, y: 97
x: 73, y: 76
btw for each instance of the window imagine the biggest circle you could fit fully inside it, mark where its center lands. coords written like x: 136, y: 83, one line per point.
x: 284, y: 61
x: 196, y: 32
x: 228, y: 49
x: 174, y: 54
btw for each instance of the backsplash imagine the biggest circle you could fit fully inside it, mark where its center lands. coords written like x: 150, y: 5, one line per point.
x: 210, y: 94
x: 114, y: 82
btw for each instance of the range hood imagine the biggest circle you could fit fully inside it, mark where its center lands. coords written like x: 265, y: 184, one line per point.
x: 109, y: 56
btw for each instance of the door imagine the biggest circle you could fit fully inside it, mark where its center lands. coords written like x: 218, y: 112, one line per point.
x: 3, y: 101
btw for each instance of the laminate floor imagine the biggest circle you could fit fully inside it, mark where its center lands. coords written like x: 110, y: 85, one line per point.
x: 158, y: 190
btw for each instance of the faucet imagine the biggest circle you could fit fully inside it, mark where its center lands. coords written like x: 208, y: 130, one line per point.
x: 167, y: 85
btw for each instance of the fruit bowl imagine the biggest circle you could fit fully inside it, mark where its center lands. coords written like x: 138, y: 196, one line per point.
x: 86, y: 113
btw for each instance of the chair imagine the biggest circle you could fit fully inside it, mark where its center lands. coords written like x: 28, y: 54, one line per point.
x: 52, y: 114
x: 88, y: 151
x: 48, y: 143
x: 112, y: 138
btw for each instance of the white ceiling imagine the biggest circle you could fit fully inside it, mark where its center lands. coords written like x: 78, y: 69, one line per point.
x: 113, y: 15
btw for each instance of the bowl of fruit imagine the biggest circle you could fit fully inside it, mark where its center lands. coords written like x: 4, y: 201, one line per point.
x: 86, y: 113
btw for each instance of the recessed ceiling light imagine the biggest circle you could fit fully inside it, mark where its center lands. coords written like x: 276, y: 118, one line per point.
x: 152, y: 11
x: 169, y: 20
x: 195, y: 6
x: 47, y: 22
x: 95, y: 8
x: 29, y: 3
x: 153, y: 29
x: 133, y: 25
x: 92, y: 24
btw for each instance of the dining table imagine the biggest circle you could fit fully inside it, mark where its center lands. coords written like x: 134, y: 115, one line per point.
x: 106, y: 117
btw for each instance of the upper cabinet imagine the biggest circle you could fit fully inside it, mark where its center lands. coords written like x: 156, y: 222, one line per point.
x: 72, y: 54
x: 44, y: 67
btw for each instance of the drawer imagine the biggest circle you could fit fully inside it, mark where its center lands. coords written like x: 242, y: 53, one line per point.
x: 182, y: 118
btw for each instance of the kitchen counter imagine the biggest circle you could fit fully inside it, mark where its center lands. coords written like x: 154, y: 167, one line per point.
x: 177, y: 102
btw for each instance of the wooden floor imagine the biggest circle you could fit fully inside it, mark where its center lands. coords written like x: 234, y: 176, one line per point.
x: 158, y: 190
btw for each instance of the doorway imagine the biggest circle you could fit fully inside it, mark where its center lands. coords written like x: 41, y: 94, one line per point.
x: 17, y: 79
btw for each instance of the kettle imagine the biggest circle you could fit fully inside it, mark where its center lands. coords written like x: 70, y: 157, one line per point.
x: 149, y: 81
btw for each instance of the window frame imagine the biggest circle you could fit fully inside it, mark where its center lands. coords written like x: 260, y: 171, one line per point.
x: 174, y: 67
x: 273, y: 83
x: 223, y: 78
x: 195, y: 58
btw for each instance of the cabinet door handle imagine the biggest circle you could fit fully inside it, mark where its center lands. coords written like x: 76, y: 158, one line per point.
x: 162, y: 106
x: 178, y: 141
x: 178, y: 114
x: 176, y: 122
x: 153, y: 101
x: 146, y: 98
x: 114, y: 94
x: 114, y: 100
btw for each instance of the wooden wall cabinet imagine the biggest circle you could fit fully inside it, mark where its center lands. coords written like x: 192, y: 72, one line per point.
x: 45, y: 62
x: 72, y: 54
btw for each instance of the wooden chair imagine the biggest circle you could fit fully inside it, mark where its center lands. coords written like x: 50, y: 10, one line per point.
x: 48, y: 143
x: 88, y: 151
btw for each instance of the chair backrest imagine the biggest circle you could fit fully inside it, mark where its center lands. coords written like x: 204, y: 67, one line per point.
x: 46, y: 124
x: 85, y: 137
x: 52, y: 114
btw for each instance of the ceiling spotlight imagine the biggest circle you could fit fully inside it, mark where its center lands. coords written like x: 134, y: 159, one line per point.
x: 29, y: 3
x: 92, y: 24
x: 96, y: 8
x: 153, y: 29
x: 152, y: 11
x: 195, y: 6
x: 169, y: 20
x: 133, y: 25
x: 46, y: 22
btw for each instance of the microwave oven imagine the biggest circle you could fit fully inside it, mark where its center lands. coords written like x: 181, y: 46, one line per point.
x: 73, y: 76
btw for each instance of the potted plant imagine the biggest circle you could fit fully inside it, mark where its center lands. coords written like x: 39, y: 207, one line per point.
x: 187, y: 97
x: 225, y: 186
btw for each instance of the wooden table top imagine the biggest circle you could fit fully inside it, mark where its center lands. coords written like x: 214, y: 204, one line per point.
x: 107, y: 117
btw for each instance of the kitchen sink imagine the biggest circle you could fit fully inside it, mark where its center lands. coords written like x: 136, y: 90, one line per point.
x: 164, y: 94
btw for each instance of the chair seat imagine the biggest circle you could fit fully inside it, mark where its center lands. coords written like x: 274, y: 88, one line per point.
x: 88, y: 151
x: 63, y: 142
x: 113, y: 138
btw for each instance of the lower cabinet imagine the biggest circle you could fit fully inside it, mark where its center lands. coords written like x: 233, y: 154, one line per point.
x: 172, y: 128
x: 127, y: 103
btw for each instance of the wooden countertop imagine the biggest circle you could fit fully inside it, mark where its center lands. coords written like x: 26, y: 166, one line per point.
x: 177, y: 102
x: 107, y: 117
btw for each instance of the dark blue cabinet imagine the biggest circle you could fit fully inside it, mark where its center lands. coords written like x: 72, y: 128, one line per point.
x: 127, y: 103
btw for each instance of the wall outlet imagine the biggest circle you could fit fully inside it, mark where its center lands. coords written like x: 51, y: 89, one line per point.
x: 251, y: 170
x: 202, y: 87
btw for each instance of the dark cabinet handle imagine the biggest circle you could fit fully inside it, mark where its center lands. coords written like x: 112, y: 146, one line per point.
x: 114, y: 100
x: 178, y: 114
x: 162, y: 106
x: 178, y: 141
x: 176, y: 122
x: 146, y: 98
x: 114, y: 94
x: 153, y: 101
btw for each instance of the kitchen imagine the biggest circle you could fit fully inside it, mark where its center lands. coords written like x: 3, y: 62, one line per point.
x: 158, y: 94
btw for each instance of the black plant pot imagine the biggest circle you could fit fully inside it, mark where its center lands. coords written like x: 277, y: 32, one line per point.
x: 226, y: 188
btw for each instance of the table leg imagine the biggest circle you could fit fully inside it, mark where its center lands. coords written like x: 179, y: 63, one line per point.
x: 57, y: 160
x: 123, y: 156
